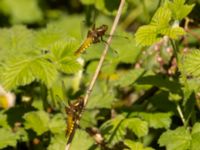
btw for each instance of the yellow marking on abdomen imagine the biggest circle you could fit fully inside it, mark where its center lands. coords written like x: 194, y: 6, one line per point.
x: 70, y: 125
x: 83, y: 46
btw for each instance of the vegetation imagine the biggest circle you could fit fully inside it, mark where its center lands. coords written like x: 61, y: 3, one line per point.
x: 146, y: 96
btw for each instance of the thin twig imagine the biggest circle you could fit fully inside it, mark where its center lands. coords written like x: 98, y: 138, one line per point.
x: 94, y: 78
x: 181, y: 114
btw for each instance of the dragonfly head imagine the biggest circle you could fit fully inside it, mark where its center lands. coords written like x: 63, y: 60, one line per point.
x: 104, y: 27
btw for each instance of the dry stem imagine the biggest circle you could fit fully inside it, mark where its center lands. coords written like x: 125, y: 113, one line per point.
x: 94, y: 78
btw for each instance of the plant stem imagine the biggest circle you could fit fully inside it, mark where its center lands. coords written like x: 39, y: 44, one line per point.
x: 181, y: 114
x: 94, y: 78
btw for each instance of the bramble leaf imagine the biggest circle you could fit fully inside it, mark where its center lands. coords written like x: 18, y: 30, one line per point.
x: 138, y: 126
x: 157, y: 120
x: 146, y: 35
x: 37, y: 121
x: 179, y: 9
x: 178, y: 139
x: 57, y: 124
x: 158, y: 27
x: 161, y: 18
x: 113, y: 130
x: 191, y: 63
x: 7, y: 138
x: 23, y: 71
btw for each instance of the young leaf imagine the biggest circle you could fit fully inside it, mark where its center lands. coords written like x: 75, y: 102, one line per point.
x: 179, y: 9
x: 157, y: 120
x: 7, y: 138
x: 37, y: 121
x: 173, y: 32
x: 158, y: 27
x: 146, y: 35
x: 25, y: 70
x: 161, y: 18
x: 178, y: 139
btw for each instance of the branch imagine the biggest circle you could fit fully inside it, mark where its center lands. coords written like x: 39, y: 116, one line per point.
x: 94, y: 78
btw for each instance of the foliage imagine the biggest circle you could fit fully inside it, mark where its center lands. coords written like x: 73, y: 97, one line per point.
x: 146, y: 95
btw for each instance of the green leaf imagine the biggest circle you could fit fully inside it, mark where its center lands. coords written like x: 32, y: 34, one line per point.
x: 136, y: 145
x: 146, y: 35
x: 7, y: 138
x: 174, y: 32
x: 195, y: 136
x: 81, y: 140
x: 58, y: 141
x: 113, y: 130
x: 129, y: 77
x: 57, y: 124
x: 3, y: 121
x: 196, y: 128
x: 37, y: 121
x: 23, y: 71
x: 195, y: 141
x: 124, y: 48
x: 138, y: 126
x: 103, y: 100
x: 61, y: 53
x: 179, y: 9
x: 21, y: 10
x: 178, y: 139
x: 157, y: 120
x: 161, y: 18
x: 190, y: 64
x: 15, y: 41
x: 158, y: 27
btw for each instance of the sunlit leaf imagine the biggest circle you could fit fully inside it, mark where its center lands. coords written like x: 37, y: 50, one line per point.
x: 7, y: 138
x: 146, y: 35
x: 179, y: 9
x: 57, y: 124
x: 23, y: 71
x: 161, y: 18
x: 157, y: 120
x: 178, y: 139
x: 37, y: 121
x: 138, y: 126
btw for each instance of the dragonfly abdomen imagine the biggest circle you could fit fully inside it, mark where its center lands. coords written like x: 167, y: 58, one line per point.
x: 83, y: 46
x: 70, y: 124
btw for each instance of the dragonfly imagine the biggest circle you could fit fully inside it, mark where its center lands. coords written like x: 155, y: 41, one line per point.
x: 95, y: 35
x: 73, y: 112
